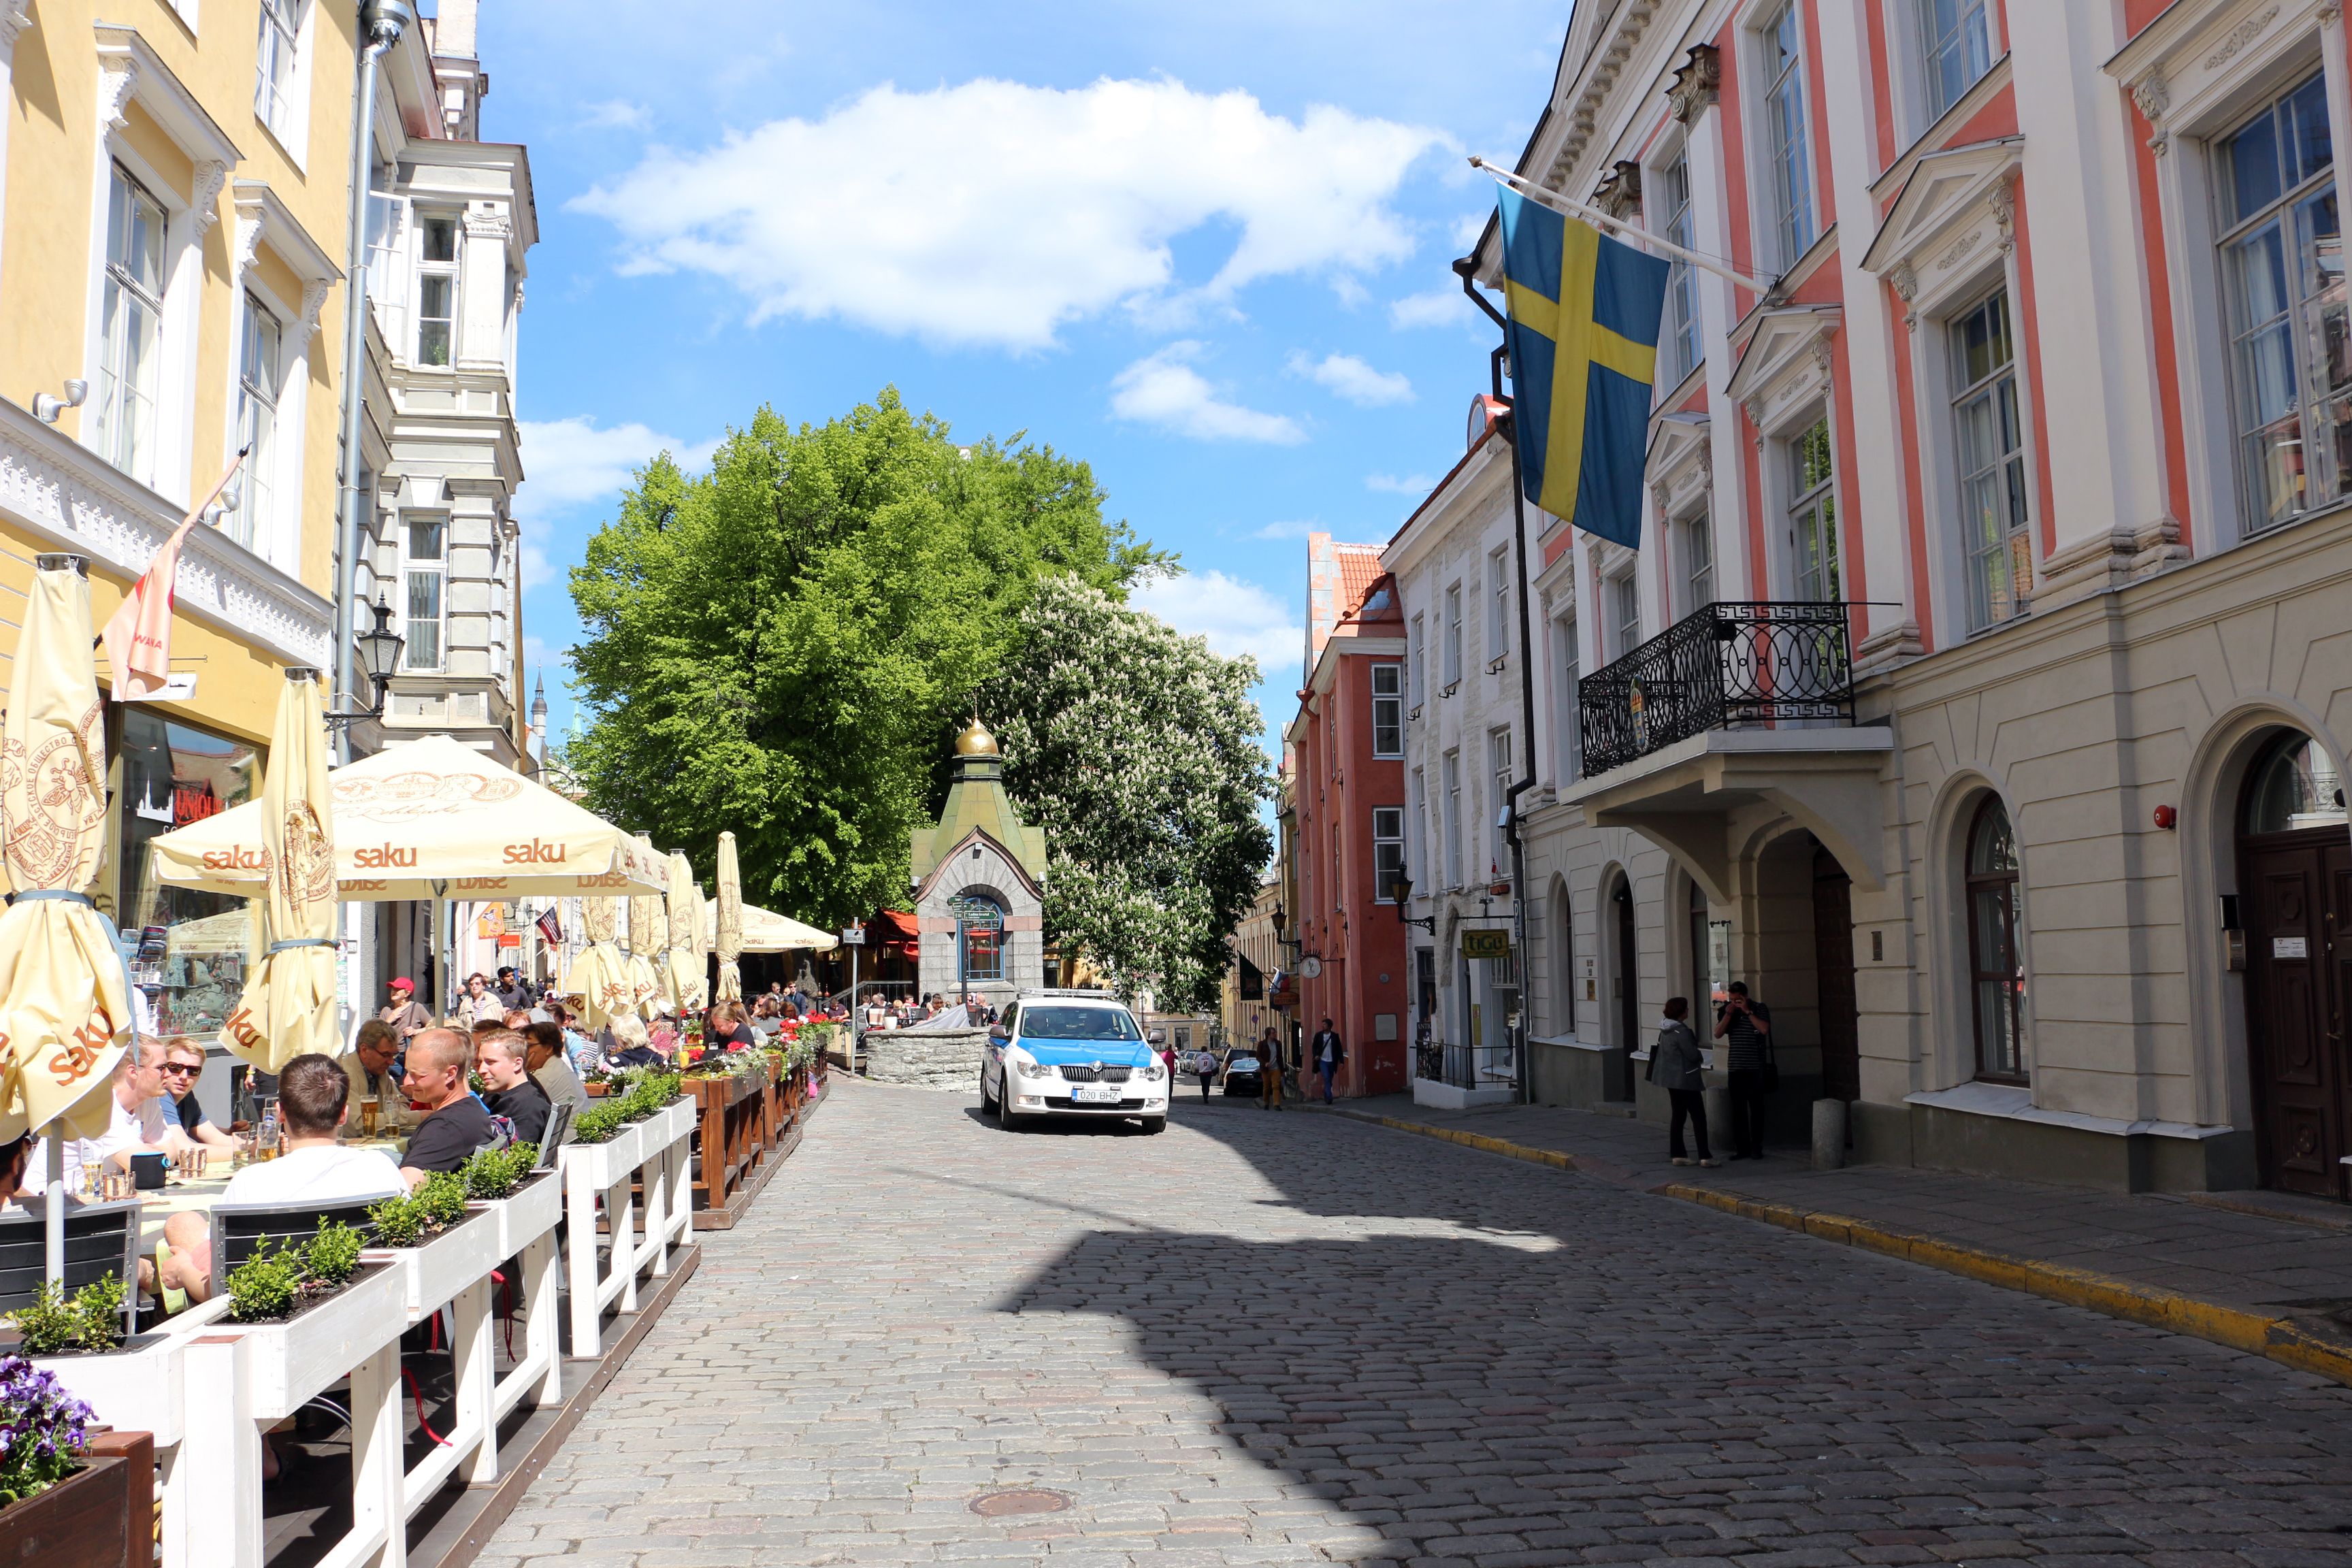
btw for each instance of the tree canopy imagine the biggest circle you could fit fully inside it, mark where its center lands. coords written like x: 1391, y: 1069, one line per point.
x: 1136, y: 749
x: 779, y: 646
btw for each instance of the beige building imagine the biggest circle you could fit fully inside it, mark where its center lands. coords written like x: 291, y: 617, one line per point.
x: 1247, y: 1007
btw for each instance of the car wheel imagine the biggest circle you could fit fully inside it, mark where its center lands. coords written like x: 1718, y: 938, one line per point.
x: 1154, y: 1124
x: 986, y: 1104
x: 1004, y: 1117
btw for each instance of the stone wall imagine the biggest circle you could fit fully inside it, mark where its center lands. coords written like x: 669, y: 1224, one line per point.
x: 949, y: 1059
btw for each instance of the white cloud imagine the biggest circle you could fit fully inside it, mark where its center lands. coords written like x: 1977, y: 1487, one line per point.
x: 1468, y: 227
x: 1350, y: 378
x: 615, y: 114
x: 1237, y: 616
x: 570, y: 461
x: 1288, y: 530
x: 1410, y: 485
x: 1163, y: 389
x: 537, y: 570
x: 992, y: 213
x: 1438, y: 308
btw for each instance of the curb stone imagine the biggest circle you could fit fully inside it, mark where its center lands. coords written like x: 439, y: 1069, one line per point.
x: 2279, y: 1338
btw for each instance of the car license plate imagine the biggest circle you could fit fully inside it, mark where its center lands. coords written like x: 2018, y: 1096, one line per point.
x: 1095, y: 1094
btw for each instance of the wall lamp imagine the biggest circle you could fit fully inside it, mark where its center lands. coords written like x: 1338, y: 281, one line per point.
x: 1400, y: 890
x: 47, y: 408
x: 379, y: 652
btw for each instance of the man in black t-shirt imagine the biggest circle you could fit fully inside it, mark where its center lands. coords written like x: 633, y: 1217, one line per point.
x: 500, y: 1058
x: 456, y: 1124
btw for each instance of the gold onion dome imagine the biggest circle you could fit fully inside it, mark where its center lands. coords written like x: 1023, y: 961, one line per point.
x: 976, y: 741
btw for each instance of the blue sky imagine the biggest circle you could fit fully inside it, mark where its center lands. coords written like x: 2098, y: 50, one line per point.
x: 1204, y: 246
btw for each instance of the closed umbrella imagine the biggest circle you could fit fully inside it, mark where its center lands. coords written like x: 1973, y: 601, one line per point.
x: 290, y: 1002
x: 687, y: 983
x: 649, y: 936
x: 64, y: 994
x: 599, y: 975
x: 728, y: 942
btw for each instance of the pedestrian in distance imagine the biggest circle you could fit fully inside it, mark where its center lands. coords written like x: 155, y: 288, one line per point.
x: 1745, y: 1025
x: 1204, y: 1063
x: 1676, y: 1066
x: 1269, y: 1072
x: 1327, y: 1053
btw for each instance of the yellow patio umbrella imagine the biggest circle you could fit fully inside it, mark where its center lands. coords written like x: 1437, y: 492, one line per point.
x: 599, y: 975
x: 649, y: 935
x: 689, y: 985
x: 728, y: 942
x: 290, y: 1001
x: 65, y: 993
x: 764, y: 931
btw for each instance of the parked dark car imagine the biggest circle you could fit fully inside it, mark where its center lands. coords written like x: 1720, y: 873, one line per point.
x: 1242, y: 1067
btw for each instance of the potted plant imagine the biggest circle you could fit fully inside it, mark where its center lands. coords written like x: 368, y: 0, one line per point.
x: 527, y: 1202
x: 427, y: 1236
x: 59, y: 1504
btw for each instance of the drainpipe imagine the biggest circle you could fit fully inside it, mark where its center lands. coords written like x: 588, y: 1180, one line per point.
x: 381, y: 23
x: 1467, y: 268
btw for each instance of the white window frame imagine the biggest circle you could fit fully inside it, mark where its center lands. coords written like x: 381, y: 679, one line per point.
x: 1625, y: 606
x: 1980, y: 53
x: 281, y: 101
x: 2009, y: 473
x: 1417, y: 653
x: 1817, y: 501
x: 1420, y: 853
x: 414, y: 567
x: 260, y: 391
x: 390, y: 234
x: 114, y: 384
x: 1678, y: 226
x: 1452, y: 803
x: 1389, y: 703
x: 1498, y: 596
x: 1571, y: 711
x: 430, y: 272
x: 1452, y: 638
x: 1388, y: 850
x: 1695, y: 544
x: 1792, y: 216
x: 1502, y: 758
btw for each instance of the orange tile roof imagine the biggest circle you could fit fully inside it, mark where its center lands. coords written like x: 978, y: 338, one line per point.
x: 1359, y: 568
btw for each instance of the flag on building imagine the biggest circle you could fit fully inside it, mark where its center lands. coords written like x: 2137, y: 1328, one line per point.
x: 1583, y: 340
x: 550, y: 927
x: 139, y: 639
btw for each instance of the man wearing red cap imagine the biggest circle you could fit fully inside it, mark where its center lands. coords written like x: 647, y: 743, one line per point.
x: 407, y: 1015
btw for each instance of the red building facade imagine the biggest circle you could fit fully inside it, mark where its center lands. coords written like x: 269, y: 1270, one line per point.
x: 1346, y: 754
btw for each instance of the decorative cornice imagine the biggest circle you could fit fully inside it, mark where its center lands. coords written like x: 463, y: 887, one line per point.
x: 2244, y: 33
x: 1698, y: 82
x: 488, y: 224
x: 2003, y: 202
x: 1620, y: 192
x: 250, y: 223
x: 118, y: 85
x: 1906, y: 284
x: 211, y: 176
x: 15, y: 16
x: 314, y: 300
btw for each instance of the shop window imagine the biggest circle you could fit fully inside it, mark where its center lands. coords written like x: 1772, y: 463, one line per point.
x: 193, y: 949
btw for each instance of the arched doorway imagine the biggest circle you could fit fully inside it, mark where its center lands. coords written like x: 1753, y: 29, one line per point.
x: 1629, y: 997
x: 1833, y: 978
x: 2295, y: 893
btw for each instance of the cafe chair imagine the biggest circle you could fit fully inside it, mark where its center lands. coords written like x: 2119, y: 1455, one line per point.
x: 101, y: 1239
x: 240, y: 1229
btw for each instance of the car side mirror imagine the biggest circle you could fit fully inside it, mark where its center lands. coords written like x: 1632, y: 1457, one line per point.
x: 998, y: 1032
x: 1157, y: 1036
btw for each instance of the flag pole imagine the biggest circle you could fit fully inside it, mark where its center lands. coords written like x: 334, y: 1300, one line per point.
x: 1592, y: 214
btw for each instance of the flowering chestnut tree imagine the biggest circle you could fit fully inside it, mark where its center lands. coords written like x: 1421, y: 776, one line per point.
x: 1136, y: 749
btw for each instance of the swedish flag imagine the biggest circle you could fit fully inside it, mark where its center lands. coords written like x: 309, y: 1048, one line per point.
x: 1583, y: 340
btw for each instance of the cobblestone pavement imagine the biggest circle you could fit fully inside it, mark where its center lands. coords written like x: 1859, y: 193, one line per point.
x: 1293, y: 1339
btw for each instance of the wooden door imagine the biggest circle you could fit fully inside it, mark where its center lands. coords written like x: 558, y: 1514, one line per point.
x: 1629, y: 998
x: 2295, y: 891
x: 1833, y: 978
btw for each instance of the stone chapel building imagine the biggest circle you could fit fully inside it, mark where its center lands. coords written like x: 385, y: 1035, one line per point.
x: 979, y: 884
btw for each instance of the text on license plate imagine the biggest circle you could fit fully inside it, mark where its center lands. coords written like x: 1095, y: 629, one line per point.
x: 1095, y: 1094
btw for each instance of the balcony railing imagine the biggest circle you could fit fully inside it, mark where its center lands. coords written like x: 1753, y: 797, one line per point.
x: 1724, y: 666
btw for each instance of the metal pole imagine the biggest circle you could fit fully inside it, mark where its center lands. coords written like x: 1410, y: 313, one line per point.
x: 53, y: 1228
x: 1615, y: 225
x: 1527, y: 718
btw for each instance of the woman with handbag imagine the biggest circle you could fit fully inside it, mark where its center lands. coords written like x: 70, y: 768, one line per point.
x: 1746, y: 1028
x: 1676, y: 1066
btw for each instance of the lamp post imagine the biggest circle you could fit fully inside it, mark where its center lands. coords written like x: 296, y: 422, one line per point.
x: 1400, y: 890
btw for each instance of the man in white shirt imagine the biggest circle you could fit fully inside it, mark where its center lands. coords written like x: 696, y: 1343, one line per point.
x: 313, y: 1099
x: 137, y: 1124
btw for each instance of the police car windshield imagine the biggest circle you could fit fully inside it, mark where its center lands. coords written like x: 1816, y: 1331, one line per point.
x: 1077, y: 1024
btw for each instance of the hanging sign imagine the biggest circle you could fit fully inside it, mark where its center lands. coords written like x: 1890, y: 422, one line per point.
x: 1485, y: 944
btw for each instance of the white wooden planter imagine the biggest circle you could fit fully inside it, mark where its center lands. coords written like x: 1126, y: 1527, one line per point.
x: 287, y: 1363
x: 528, y: 1212
x: 608, y: 1164
x: 140, y: 1390
x: 594, y: 1173
x: 434, y: 1273
x: 526, y: 1222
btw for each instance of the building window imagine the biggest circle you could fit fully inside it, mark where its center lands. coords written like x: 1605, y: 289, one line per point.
x: 1571, y: 711
x: 1498, y: 578
x: 1682, y: 282
x: 1813, y: 517
x: 1419, y: 646
x: 195, y: 949
x: 1784, y: 109
x: 1387, y: 851
x: 1992, y: 463
x: 2283, y: 267
x: 980, y: 936
x: 1421, y: 854
x: 256, y: 418
x: 427, y: 582
x: 1453, y: 819
x: 1955, y: 48
x: 1387, y: 710
x: 1498, y: 747
x: 1453, y: 638
x: 1627, y: 595
x: 131, y: 328
x: 273, y: 85
x: 437, y: 289
x: 2000, y: 974
x: 1698, y: 564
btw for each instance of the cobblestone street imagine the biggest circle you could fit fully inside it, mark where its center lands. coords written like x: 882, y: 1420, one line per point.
x: 1290, y: 1338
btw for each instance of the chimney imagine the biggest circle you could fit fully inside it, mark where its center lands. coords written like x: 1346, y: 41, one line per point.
x: 453, y: 29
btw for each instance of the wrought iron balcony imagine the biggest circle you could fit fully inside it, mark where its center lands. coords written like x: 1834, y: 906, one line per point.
x: 1724, y: 666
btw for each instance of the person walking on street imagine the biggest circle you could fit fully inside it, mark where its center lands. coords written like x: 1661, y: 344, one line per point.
x: 407, y: 1017
x: 1675, y: 1066
x: 1745, y: 1026
x: 1269, y: 1072
x: 1326, y: 1053
x: 1206, y: 1064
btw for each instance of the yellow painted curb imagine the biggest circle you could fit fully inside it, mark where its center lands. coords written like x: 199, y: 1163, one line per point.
x: 2277, y: 1338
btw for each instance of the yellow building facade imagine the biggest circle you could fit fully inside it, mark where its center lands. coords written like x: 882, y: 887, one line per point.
x: 175, y: 198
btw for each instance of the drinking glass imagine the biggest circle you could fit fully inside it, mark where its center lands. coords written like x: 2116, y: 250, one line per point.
x: 371, y: 1115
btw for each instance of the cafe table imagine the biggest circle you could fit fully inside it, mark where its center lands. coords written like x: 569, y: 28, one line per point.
x: 182, y: 1195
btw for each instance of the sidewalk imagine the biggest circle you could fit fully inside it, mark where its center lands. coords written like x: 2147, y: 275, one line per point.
x: 2262, y: 1272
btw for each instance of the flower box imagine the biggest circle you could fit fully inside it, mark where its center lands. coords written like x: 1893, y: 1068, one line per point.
x: 99, y: 1517
x: 606, y: 1164
x: 596, y: 1091
x: 285, y: 1363
x: 528, y: 1213
x: 446, y: 1264
x: 134, y: 1388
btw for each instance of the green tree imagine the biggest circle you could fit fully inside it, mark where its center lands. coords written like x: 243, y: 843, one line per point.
x: 1136, y: 749
x: 777, y: 646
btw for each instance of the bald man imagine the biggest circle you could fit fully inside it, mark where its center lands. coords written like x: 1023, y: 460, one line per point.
x: 456, y: 1124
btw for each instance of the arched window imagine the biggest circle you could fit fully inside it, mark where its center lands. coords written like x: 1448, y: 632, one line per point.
x: 980, y: 937
x: 2295, y: 788
x: 1993, y: 959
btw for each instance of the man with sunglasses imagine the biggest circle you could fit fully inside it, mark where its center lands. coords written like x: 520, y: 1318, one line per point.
x: 183, y: 1063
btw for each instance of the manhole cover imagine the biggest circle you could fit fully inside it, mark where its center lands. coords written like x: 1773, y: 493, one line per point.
x: 1019, y: 1500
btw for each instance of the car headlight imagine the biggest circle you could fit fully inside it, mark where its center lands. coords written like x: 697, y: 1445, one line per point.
x: 1033, y: 1069
x: 1155, y: 1072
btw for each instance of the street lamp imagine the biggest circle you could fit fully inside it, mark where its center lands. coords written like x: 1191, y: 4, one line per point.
x: 1281, y: 919
x: 379, y: 656
x: 1400, y: 890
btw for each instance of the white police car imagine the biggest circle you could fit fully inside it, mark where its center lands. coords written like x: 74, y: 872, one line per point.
x: 1072, y: 1053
